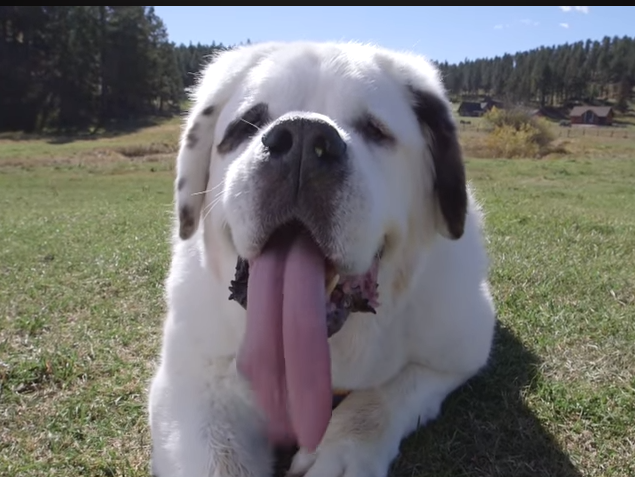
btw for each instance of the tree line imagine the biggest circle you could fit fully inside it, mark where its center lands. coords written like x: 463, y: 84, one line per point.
x: 586, y: 71
x: 67, y: 68
x: 79, y: 67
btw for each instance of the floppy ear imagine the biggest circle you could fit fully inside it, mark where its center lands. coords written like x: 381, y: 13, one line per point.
x: 435, y: 116
x: 192, y: 167
x: 213, y: 89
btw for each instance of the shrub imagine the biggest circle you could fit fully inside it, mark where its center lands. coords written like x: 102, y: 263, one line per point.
x: 515, y: 133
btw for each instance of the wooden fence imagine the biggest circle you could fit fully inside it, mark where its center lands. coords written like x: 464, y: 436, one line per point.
x: 616, y: 132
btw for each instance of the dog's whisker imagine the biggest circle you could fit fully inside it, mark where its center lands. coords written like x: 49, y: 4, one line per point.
x: 257, y: 128
x: 211, y: 206
x: 208, y: 209
x: 215, y: 198
x: 209, y: 190
x: 207, y: 213
x: 218, y: 196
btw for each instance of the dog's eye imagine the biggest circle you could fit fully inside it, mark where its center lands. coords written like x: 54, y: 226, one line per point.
x: 244, y: 128
x: 373, y: 130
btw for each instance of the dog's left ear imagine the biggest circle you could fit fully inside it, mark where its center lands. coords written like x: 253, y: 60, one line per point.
x: 213, y: 87
x: 435, y: 116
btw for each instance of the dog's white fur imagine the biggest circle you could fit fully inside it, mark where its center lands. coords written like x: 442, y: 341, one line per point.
x: 433, y: 330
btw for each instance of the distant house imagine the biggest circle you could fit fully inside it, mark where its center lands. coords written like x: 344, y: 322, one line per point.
x: 470, y: 109
x: 596, y: 115
x: 475, y: 109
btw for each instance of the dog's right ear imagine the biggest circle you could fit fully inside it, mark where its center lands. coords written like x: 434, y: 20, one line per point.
x: 434, y: 114
x: 213, y: 89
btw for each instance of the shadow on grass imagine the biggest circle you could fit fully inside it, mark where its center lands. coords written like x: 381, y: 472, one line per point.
x: 110, y: 130
x: 486, y: 429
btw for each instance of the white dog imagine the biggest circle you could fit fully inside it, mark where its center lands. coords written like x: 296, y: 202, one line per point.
x: 333, y: 174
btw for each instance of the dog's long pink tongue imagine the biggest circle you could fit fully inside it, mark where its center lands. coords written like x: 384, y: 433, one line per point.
x: 261, y: 356
x: 285, y: 353
x: 306, y: 350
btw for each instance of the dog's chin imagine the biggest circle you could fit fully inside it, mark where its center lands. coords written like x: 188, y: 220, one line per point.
x: 346, y: 292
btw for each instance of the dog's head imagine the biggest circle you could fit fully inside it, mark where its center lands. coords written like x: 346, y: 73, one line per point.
x: 354, y: 142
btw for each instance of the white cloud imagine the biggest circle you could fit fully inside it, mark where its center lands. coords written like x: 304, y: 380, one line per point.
x: 564, y: 25
x: 498, y: 27
x: 584, y: 10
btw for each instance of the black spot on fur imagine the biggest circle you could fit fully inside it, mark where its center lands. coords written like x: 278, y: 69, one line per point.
x: 191, y: 139
x: 187, y: 222
x: 207, y: 111
x: 181, y: 183
x: 450, y: 184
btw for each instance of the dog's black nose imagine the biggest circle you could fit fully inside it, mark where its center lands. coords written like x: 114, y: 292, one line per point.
x: 301, y: 170
x: 308, y: 140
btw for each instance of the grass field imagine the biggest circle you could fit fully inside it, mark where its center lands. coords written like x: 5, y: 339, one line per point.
x: 84, y: 250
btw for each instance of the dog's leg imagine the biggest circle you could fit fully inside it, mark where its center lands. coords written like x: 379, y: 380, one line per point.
x: 367, y: 428
x: 206, y: 428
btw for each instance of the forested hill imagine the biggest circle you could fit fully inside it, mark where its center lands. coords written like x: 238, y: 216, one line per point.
x: 80, y: 67
x: 583, y: 71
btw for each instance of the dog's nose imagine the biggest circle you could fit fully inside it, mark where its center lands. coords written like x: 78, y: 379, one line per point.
x: 311, y: 141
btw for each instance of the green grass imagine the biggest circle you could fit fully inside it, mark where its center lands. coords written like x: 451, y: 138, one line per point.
x: 84, y: 251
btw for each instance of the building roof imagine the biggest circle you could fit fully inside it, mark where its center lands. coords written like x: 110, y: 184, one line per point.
x: 601, y: 111
x: 471, y: 106
x: 549, y: 112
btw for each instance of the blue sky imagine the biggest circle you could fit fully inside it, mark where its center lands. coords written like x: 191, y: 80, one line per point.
x: 441, y: 33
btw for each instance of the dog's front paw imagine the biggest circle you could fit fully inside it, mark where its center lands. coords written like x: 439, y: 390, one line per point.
x: 359, y: 442
x: 234, y: 461
x: 341, y: 459
x: 222, y: 448
x: 208, y: 429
